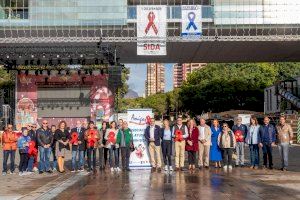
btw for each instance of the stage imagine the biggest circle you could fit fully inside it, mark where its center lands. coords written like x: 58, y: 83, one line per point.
x: 68, y: 95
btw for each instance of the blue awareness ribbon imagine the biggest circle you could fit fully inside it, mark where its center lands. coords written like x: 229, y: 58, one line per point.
x: 191, y: 17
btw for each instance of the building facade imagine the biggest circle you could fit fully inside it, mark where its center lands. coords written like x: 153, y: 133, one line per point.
x: 155, y: 82
x: 181, y: 72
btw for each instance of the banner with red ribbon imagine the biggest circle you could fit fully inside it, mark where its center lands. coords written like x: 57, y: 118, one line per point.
x: 151, y: 29
x: 178, y: 136
x: 74, y: 138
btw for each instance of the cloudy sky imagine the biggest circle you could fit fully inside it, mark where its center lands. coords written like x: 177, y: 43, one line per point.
x: 138, y: 73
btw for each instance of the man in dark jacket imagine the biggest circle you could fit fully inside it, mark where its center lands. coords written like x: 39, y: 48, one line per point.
x: 78, y: 146
x: 240, y: 133
x: 45, y: 140
x: 267, y: 133
x: 152, y: 135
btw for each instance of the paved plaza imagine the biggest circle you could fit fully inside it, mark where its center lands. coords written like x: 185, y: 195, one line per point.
x: 240, y: 183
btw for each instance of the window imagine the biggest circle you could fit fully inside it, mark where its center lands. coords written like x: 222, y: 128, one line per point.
x: 14, y: 9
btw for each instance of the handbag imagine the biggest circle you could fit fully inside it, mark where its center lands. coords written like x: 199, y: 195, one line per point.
x: 132, y: 148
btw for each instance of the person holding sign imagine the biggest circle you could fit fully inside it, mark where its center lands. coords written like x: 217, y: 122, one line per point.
x: 240, y: 133
x: 179, y: 133
x: 91, y: 137
x: 152, y: 135
x: 78, y: 146
x: 125, y: 142
x: 111, y: 139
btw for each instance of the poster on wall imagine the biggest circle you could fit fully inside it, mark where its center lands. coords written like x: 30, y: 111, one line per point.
x: 151, y: 30
x: 191, y: 22
x: 138, y: 119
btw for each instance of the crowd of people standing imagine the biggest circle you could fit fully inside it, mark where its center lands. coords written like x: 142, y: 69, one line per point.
x: 218, y: 143
x: 203, y: 144
x: 52, y: 143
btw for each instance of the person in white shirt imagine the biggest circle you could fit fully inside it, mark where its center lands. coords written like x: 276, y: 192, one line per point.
x: 153, y: 137
x: 179, y: 133
x: 204, y: 144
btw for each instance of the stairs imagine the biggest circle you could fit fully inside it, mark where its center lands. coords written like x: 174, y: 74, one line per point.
x: 294, y: 121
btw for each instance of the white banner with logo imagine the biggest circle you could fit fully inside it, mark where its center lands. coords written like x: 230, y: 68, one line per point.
x: 151, y: 30
x: 191, y: 24
x: 137, y: 121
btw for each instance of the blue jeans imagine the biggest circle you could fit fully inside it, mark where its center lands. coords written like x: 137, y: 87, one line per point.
x: 284, y: 154
x: 44, y: 158
x: 12, y: 154
x: 54, y: 165
x: 113, y: 153
x: 30, y: 164
x: 268, y: 155
x: 80, y: 159
x: 254, y: 154
x: 91, y: 154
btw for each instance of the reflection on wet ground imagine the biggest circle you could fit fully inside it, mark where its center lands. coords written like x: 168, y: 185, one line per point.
x: 205, y: 184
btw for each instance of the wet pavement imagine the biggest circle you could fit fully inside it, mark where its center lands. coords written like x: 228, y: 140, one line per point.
x: 240, y: 183
x: 205, y: 184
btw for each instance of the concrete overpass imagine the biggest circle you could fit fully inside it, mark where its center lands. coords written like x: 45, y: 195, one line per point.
x: 252, y: 39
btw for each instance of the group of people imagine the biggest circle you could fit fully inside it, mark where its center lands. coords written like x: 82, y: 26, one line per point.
x: 212, y: 143
x: 218, y: 144
x: 83, y: 141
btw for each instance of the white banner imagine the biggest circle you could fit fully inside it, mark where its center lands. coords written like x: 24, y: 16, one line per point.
x: 151, y: 30
x: 137, y: 121
x: 191, y: 24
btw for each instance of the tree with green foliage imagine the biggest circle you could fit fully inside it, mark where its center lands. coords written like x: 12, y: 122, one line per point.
x: 220, y: 87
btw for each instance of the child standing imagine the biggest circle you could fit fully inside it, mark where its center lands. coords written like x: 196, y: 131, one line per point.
x: 23, y: 145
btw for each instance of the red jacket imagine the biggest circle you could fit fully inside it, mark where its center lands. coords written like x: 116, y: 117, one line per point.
x: 194, y: 138
x: 9, y: 140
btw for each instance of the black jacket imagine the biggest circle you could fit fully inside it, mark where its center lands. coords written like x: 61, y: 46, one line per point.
x: 80, y: 147
x: 44, y: 137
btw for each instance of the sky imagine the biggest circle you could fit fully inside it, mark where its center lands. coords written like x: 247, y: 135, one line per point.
x: 138, y: 74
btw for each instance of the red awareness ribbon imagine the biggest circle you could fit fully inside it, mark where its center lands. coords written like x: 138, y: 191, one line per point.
x: 178, y: 136
x: 32, y: 151
x: 151, y: 17
x: 93, y: 139
x: 111, y: 137
x: 74, y: 138
x: 148, y: 119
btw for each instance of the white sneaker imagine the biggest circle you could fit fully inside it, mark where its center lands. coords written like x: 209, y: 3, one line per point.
x: 166, y: 168
x: 73, y: 171
x: 225, y: 167
x: 118, y: 169
x: 35, y: 169
x: 112, y: 169
x: 21, y: 174
x: 230, y: 167
x: 170, y: 168
x: 54, y: 169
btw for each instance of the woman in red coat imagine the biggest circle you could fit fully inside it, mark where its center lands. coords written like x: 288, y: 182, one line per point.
x: 192, y: 144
